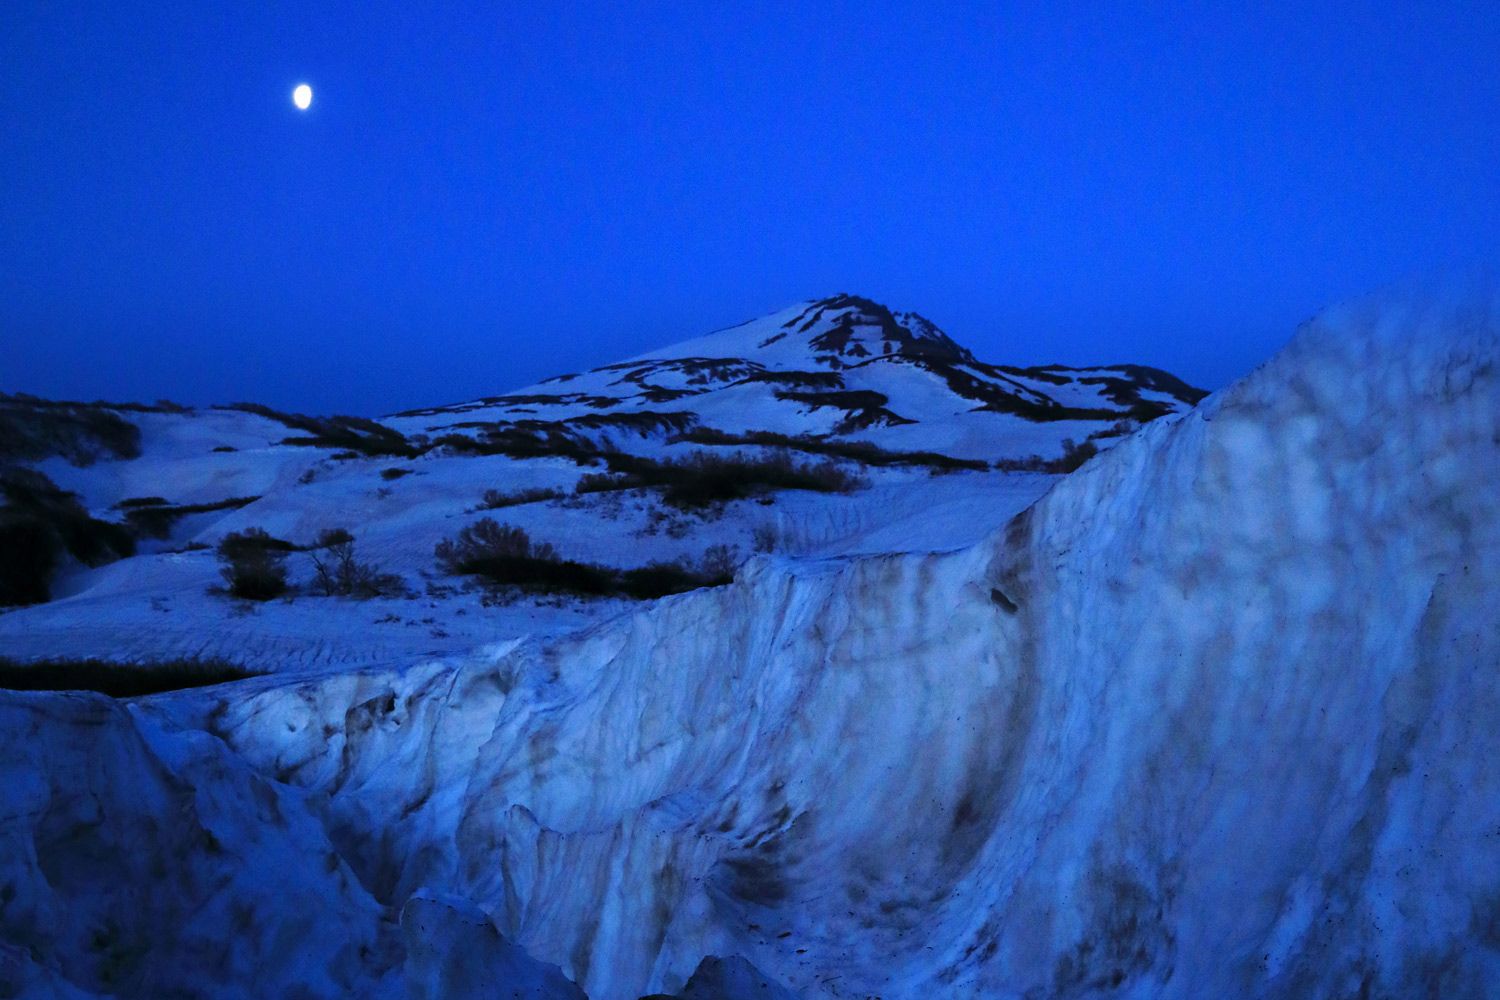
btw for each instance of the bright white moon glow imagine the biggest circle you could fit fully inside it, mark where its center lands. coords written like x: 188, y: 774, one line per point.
x: 302, y: 96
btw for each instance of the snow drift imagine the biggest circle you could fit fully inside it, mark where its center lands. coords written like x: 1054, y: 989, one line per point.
x: 1215, y: 717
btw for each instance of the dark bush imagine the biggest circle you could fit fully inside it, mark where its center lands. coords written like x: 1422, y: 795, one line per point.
x: 659, y: 579
x: 141, y: 502
x: 254, y: 564
x: 799, y: 379
x: 855, y: 451
x: 862, y: 408
x: 28, y: 557
x: 339, y: 574
x: 153, y: 517
x: 606, y: 482
x: 1073, y: 456
x: 389, y: 474
x: 357, y: 434
x: 486, y: 539
x: 559, y: 438
x: 496, y: 499
x: 522, y: 442
x: 32, y: 429
x: 39, y: 523
x: 1120, y: 428
x: 702, y: 480
x: 506, y: 555
x: 117, y: 679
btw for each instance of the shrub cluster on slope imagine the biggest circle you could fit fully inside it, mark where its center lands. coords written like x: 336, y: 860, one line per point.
x: 254, y: 566
x: 1073, y: 456
x: 863, y: 408
x: 118, y: 680
x: 702, y: 480
x: 862, y: 452
x: 505, y: 555
x: 560, y: 438
x: 154, y: 517
x: 39, y: 523
x: 357, y: 434
x: 32, y: 429
x: 497, y: 499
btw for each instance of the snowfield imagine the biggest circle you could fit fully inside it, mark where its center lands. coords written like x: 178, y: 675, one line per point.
x: 158, y: 603
x: 1214, y: 715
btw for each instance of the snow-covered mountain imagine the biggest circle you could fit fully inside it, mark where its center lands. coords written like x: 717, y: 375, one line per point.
x: 1214, y: 715
x: 908, y: 414
x: 842, y: 367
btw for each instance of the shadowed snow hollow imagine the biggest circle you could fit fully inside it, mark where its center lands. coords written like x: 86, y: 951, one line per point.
x: 1216, y: 717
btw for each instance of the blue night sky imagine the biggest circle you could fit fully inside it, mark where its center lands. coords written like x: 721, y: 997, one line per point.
x: 483, y: 195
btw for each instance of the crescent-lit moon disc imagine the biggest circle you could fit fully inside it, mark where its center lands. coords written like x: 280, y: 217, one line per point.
x: 302, y: 96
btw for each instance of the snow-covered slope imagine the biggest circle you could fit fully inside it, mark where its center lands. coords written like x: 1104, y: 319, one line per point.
x: 887, y: 396
x: 1216, y: 716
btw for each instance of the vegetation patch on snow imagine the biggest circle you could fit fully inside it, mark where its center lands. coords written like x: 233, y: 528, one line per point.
x: 357, y: 434
x: 497, y: 499
x: 703, y: 480
x: 863, y: 452
x: 118, y: 679
x: 33, y: 429
x: 505, y: 555
x: 254, y: 564
x: 39, y: 525
x: 153, y: 517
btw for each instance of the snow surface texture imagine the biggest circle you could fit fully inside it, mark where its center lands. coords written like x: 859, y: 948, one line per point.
x: 1217, y: 716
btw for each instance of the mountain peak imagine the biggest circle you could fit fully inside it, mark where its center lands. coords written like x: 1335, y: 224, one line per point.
x: 855, y: 327
x: 839, y: 366
x: 839, y: 331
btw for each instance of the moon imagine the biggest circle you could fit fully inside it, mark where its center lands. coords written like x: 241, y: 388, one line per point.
x: 302, y: 96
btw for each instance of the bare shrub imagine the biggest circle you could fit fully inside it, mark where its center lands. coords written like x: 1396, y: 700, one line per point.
x: 720, y: 562
x: 337, y: 572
